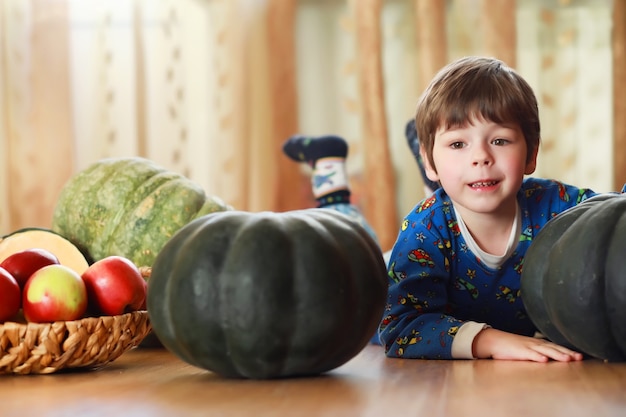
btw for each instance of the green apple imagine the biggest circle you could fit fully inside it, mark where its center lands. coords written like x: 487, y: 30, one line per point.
x: 54, y: 293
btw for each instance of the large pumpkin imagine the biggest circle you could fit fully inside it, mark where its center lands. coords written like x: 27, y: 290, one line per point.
x: 267, y: 295
x: 574, y: 279
x: 128, y: 207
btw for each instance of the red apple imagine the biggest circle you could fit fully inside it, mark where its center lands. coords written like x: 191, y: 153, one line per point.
x: 54, y: 293
x: 24, y: 263
x: 114, y: 286
x: 10, y: 294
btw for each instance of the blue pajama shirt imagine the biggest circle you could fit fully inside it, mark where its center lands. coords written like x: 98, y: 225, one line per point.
x: 436, y: 283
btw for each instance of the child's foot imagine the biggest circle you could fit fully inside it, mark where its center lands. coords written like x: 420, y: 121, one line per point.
x: 414, y: 144
x: 309, y: 149
x: 327, y: 156
x: 411, y: 137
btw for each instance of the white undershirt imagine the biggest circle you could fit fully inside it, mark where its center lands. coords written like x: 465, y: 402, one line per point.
x: 492, y: 261
x: 462, y: 343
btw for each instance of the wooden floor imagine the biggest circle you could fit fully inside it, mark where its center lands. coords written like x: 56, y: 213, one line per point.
x: 146, y: 382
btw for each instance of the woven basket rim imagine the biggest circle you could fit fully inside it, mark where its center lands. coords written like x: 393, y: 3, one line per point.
x: 89, y: 342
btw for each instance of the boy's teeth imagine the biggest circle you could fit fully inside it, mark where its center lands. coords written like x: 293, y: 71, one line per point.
x: 483, y: 184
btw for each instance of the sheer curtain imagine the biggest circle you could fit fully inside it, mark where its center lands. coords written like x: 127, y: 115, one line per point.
x: 211, y: 89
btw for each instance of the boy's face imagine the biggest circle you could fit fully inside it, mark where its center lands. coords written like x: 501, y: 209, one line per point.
x: 481, y: 165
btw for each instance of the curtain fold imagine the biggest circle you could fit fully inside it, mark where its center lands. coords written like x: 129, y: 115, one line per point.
x: 139, y: 42
x: 619, y: 92
x: 378, y: 197
x: 288, y: 187
x: 5, y: 220
x: 38, y: 148
x: 499, y: 29
x: 432, y: 41
x: 233, y: 95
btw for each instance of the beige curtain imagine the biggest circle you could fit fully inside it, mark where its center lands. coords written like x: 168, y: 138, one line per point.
x: 36, y: 141
x: 619, y: 90
x: 212, y: 88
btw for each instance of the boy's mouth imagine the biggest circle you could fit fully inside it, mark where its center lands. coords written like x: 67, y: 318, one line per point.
x: 481, y: 184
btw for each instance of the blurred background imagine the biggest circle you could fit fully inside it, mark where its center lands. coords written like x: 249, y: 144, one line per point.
x: 212, y: 88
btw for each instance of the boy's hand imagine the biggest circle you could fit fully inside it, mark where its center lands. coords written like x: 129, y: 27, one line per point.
x: 496, y: 344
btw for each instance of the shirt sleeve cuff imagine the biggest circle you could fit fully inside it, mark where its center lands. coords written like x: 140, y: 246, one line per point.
x: 464, y: 338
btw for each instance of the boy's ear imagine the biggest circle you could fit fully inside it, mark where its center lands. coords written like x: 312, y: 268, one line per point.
x: 430, y: 171
x: 531, y: 164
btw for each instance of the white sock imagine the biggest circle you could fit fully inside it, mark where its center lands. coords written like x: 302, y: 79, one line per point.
x: 329, y: 175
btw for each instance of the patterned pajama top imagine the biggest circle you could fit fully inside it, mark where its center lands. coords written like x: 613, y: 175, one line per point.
x: 440, y: 290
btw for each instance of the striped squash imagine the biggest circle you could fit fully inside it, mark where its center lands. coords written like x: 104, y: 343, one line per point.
x: 128, y: 207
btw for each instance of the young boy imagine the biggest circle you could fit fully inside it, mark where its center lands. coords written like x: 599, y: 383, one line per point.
x: 455, y: 267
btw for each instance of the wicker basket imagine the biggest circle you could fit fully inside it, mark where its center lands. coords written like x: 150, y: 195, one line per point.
x: 44, y: 348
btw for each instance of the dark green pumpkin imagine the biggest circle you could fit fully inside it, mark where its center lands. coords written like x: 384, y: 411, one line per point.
x: 268, y: 295
x: 574, y: 279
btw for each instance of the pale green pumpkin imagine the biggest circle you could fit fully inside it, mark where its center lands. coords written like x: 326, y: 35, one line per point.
x: 128, y: 207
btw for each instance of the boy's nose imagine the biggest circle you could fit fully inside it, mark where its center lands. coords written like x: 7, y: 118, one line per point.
x: 481, y: 156
x: 482, y: 161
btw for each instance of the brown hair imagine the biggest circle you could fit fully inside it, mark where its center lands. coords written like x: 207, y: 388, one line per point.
x: 477, y: 87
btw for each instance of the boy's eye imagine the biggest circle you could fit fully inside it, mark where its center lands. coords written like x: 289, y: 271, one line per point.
x: 456, y: 145
x: 499, y: 142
